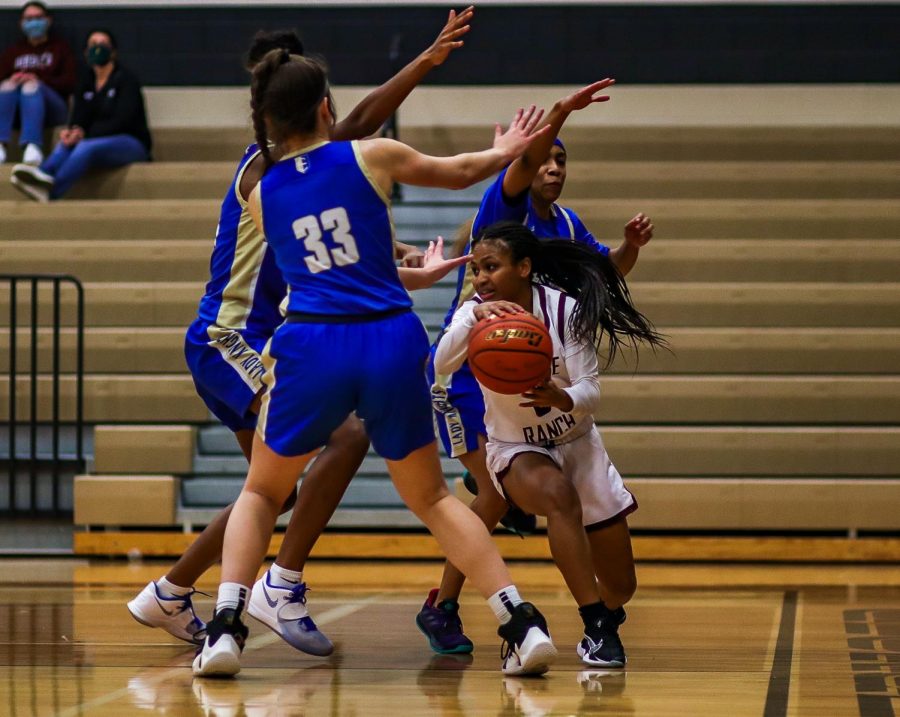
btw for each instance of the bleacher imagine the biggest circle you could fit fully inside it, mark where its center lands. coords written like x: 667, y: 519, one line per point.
x: 775, y: 273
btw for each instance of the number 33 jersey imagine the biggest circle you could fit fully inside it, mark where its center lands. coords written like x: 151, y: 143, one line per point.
x: 330, y: 227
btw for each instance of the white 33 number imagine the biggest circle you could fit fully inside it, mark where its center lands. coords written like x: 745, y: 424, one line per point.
x: 308, y: 229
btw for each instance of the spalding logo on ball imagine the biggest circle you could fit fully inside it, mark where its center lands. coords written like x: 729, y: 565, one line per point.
x: 511, y: 354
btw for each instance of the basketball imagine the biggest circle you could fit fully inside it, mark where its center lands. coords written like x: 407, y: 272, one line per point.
x: 509, y: 355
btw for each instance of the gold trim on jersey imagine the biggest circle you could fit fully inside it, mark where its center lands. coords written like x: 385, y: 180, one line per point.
x: 249, y: 249
x: 238, y: 354
x: 364, y: 168
x: 269, y: 382
x: 304, y: 150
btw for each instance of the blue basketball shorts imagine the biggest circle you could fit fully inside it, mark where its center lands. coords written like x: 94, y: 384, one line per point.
x: 319, y: 373
x: 458, y: 406
x: 227, y: 369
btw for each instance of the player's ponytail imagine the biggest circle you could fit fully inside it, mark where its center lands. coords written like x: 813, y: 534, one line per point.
x: 285, y: 94
x: 604, y: 303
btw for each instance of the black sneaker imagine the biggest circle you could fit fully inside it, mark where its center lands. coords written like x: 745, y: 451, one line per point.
x: 601, y: 646
x: 515, y: 519
x: 220, y: 655
x: 527, y: 648
x: 442, y: 626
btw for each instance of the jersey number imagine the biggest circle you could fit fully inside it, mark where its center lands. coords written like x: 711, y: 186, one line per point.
x: 309, y: 230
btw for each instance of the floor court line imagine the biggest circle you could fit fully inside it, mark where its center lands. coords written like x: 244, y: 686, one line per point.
x: 254, y: 643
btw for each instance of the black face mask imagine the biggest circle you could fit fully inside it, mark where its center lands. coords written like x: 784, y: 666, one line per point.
x: 99, y: 55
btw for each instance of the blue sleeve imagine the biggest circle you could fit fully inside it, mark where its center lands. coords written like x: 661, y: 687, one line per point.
x: 583, y: 235
x: 496, y: 207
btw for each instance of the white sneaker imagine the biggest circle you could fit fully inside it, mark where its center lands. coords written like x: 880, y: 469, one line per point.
x: 2, y: 153
x: 283, y: 610
x: 529, y: 649
x: 32, y: 182
x: 175, y: 615
x: 32, y: 155
x: 220, y: 655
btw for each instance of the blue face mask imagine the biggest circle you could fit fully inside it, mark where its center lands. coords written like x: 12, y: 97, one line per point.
x: 35, y: 27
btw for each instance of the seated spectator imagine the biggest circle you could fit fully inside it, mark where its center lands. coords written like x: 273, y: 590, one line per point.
x: 37, y: 75
x: 107, y: 128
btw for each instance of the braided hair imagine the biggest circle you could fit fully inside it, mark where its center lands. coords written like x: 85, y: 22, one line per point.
x: 603, y: 302
x: 285, y: 94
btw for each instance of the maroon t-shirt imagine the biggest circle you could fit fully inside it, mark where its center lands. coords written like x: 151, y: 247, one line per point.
x: 52, y: 61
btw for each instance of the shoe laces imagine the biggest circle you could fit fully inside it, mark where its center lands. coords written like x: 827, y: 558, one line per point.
x: 298, y: 594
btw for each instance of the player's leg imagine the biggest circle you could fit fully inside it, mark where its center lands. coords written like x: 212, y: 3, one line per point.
x: 395, y: 406
x: 269, y: 481
x: 605, y: 504
x: 278, y: 599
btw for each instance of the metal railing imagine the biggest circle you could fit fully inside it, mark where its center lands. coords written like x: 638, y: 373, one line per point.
x: 53, y: 459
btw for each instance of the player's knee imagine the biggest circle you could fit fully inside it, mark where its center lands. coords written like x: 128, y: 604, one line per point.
x: 560, y: 497
x: 426, y: 497
x: 7, y: 86
x: 31, y: 87
x: 621, y: 588
x: 350, y: 436
x: 489, y: 506
x: 273, y: 501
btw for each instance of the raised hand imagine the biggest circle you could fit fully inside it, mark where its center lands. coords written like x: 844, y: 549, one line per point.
x: 586, y: 96
x: 448, y: 39
x: 639, y: 230
x: 520, y: 133
x: 436, y: 265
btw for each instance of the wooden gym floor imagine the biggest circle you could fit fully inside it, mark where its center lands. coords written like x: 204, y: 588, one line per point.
x: 765, y: 641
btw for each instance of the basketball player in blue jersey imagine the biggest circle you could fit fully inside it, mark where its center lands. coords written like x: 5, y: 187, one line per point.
x: 524, y: 192
x: 237, y: 315
x: 350, y: 343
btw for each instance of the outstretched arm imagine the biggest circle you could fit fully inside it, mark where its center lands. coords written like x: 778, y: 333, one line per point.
x: 390, y: 161
x: 434, y: 268
x: 522, y: 172
x: 373, y: 111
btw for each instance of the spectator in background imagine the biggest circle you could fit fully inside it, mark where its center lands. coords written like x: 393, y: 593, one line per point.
x: 107, y: 128
x: 37, y: 75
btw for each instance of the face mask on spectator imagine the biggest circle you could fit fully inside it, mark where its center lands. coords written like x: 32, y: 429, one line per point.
x: 35, y: 27
x: 99, y: 55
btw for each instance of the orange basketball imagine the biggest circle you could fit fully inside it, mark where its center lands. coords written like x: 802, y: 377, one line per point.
x: 510, y: 354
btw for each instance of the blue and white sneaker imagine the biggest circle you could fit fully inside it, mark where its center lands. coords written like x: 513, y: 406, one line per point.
x: 283, y: 610
x: 175, y: 615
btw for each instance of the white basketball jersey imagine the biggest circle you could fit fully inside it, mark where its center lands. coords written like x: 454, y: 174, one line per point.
x: 574, y: 369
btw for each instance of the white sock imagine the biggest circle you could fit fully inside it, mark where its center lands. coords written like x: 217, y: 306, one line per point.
x: 167, y: 589
x: 284, y: 578
x: 232, y: 596
x: 503, y: 601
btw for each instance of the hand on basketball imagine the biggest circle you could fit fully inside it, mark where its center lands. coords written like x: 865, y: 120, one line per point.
x: 548, y: 395
x: 448, y: 39
x: 496, y: 309
x: 520, y: 133
x: 639, y: 230
x: 586, y: 96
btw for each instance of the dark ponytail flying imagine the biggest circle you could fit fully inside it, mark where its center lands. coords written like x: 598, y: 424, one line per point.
x: 604, y: 303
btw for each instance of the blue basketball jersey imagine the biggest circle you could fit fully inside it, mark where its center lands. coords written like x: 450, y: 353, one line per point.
x: 495, y: 207
x: 245, y: 287
x: 330, y: 227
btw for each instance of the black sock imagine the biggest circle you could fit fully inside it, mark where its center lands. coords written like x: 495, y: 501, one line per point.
x: 593, y: 614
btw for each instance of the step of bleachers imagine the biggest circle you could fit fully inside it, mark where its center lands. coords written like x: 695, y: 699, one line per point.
x: 696, y: 350
x: 694, y: 260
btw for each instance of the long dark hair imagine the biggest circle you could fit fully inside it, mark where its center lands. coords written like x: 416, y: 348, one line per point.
x: 265, y: 41
x: 603, y: 303
x: 286, y: 90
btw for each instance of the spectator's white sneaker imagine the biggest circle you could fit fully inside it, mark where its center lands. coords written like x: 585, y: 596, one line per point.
x: 32, y: 155
x: 2, y: 153
x: 32, y: 182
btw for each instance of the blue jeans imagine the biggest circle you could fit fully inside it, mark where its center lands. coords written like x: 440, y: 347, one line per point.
x: 67, y: 164
x: 37, y: 109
